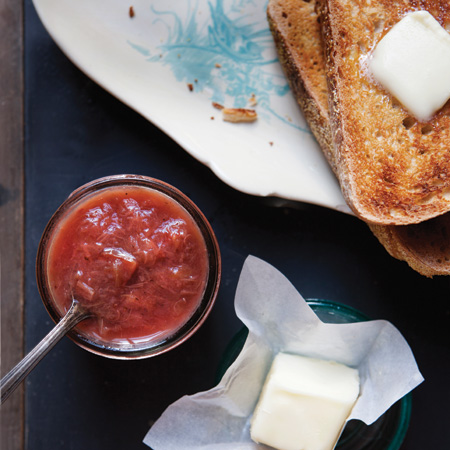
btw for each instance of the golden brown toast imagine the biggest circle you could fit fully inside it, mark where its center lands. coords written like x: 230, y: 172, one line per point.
x: 393, y: 169
x: 297, y: 35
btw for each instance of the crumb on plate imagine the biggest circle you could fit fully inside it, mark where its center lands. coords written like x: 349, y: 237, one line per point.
x: 237, y: 115
x: 252, y: 100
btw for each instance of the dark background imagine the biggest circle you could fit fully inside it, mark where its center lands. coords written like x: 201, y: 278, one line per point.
x: 75, y: 132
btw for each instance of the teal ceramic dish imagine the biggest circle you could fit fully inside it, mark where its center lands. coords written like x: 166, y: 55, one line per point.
x: 388, y: 432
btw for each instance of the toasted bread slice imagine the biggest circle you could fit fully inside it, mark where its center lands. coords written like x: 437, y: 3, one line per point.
x: 393, y: 169
x: 296, y: 31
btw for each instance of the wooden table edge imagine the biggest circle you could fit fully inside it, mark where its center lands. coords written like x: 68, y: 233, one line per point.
x: 12, y: 412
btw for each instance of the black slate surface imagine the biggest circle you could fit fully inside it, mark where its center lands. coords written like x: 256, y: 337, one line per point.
x: 75, y: 132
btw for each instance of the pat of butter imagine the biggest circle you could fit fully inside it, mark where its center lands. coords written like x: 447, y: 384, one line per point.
x: 304, y: 403
x: 412, y: 62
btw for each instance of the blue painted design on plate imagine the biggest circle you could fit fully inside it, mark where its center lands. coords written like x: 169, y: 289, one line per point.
x: 225, y: 54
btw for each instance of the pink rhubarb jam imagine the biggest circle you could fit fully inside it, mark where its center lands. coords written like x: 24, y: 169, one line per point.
x: 135, y: 258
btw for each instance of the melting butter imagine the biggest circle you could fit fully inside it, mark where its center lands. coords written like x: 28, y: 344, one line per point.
x: 412, y: 62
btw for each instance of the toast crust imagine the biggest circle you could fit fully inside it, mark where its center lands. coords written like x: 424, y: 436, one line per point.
x: 424, y: 246
x: 307, y: 80
x: 297, y: 35
x: 393, y: 169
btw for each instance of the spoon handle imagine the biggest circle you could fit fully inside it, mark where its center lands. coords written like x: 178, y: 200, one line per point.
x: 13, y: 378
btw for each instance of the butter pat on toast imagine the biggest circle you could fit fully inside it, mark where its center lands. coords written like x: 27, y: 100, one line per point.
x: 297, y: 35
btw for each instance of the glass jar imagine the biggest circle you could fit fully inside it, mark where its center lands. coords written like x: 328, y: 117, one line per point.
x: 86, y: 197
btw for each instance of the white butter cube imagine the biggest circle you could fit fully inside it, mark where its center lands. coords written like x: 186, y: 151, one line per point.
x: 304, y: 403
x: 412, y: 62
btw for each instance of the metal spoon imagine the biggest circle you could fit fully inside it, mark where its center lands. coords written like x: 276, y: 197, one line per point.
x: 12, y: 379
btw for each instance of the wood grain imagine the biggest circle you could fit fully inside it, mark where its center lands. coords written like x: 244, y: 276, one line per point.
x: 11, y: 214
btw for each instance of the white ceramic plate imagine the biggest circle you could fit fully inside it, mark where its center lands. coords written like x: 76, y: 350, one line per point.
x: 224, y: 49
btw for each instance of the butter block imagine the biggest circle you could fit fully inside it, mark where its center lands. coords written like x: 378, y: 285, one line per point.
x: 412, y: 62
x: 304, y: 403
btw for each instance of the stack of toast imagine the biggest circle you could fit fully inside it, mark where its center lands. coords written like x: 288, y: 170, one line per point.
x: 393, y: 169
